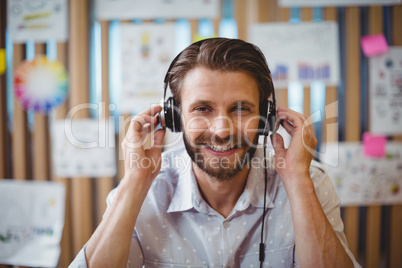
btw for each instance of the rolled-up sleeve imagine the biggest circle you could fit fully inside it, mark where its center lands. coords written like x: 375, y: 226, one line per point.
x: 80, y: 260
x: 330, y: 203
x: 135, y: 256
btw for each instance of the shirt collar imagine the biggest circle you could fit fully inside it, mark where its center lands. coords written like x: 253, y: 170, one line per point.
x: 186, y: 189
x: 254, y: 191
x: 187, y: 195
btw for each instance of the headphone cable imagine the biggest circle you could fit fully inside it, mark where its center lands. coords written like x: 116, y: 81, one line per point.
x: 262, y: 245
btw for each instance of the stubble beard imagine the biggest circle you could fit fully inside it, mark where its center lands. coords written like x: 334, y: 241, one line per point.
x: 220, y: 167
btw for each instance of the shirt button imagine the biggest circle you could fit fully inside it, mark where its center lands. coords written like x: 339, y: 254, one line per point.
x: 226, y: 224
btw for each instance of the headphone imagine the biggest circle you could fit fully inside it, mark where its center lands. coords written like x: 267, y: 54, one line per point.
x: 170, y: 115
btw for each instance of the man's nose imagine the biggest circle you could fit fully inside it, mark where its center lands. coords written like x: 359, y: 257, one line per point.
x: 222, y: 126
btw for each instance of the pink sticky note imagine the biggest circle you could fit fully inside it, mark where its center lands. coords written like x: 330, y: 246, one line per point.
x: 374, y: 44
x: 374, y: 146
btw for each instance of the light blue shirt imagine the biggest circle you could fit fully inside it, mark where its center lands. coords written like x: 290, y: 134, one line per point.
x: 177, y: 228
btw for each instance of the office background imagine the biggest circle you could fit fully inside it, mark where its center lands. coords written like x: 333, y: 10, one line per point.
x: 374, y: 232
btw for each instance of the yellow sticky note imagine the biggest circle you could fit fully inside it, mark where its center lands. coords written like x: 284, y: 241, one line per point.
x: 2, y: 61
x: 198, y: 37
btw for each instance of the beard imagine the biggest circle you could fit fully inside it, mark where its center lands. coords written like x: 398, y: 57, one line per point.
x: 220, y: 167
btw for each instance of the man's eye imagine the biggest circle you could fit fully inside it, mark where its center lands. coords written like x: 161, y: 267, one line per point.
x: 241, y: 109
x: 202, y: 109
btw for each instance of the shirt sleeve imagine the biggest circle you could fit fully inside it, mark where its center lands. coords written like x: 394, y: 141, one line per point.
x: 330, y: 203
x: 135, y: 258
x: 80, y: 260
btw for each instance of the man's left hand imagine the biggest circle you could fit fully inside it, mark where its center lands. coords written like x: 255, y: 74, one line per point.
x: 294, y: 161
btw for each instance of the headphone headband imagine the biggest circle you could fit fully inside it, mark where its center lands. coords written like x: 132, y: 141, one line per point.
x: 166, y: 80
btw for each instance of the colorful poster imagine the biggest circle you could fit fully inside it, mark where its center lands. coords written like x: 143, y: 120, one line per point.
x: 40, y: 84
x: 31, y: 222
x: 361, y: 180
x: 303, y: 52
x: 156, y: 9
x: 326, y: 3
x: 385, y: 86
x: 83, y: 148
x: 147, y: 51
x: 37, y: 20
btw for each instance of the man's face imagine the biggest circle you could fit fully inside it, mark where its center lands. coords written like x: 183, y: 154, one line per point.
x: 220, y: 114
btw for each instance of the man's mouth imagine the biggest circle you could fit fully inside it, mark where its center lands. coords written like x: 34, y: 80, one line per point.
x: 221, y: 148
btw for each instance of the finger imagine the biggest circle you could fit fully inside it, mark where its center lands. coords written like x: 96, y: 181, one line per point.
x: 306, y: 125
x: 142, y: 121
x: 137, y: 131
x: 295, y: 118
x: 278, y: 122
x: 287, y: 110
x: 158, y: 138
x: 150, y: 127
x: 152, y: 111
x: 277, y: 142
x: 156, y: 150
x: 137, y: 122
x: 289, y: 127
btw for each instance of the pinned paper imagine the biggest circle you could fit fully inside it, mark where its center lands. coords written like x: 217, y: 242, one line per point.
x: 360, y: 180
x: 374, y: 146
x: 150, y: 9
x: 147, y: 50
x: 385, y: 92
x: 2, y: 61
x: 333, y: 3
x: 31, y: 222
x: 304, y: 52
x: 83, y: 148
x: 374, y: 44
x: 38, y: 21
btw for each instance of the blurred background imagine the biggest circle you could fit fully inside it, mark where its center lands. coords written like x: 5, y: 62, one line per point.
x: 73, y: 73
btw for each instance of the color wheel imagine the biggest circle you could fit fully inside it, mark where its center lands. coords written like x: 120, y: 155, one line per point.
x: 40, y: 84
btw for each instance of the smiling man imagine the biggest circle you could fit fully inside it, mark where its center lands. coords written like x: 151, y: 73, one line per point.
x: 217, y: 211
x: 220, y: 109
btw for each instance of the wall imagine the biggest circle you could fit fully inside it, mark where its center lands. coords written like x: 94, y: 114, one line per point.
x: 373, y: 233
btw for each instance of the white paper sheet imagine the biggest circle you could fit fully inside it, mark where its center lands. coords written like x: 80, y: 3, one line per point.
x: 31, y: 222
x: 322, y: 3
x: 385, y: 102
x: 361, y: 180
x: 83, y: 148
x: 156, y: 9
x: 147, y: 51
x: 37, y: 20
x: 302, y: 52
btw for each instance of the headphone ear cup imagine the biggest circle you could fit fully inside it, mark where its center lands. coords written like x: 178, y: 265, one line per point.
x: 263, y: 118
x: 272, y: 116
x: 172, y: 115
x: 176, y: 116
x: 272, y: 121
x: 268, y: 118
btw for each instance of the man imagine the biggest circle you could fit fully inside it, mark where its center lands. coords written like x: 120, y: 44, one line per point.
x: 208, y: 211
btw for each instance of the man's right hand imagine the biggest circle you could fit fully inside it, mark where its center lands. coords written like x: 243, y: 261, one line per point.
x: 143, y: 162
x: 109, y: 246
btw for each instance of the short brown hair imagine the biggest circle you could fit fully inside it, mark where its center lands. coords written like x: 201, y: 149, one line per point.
x: 223, y: 54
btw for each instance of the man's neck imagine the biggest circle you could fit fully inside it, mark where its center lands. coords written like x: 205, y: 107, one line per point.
x: 221, y: 195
